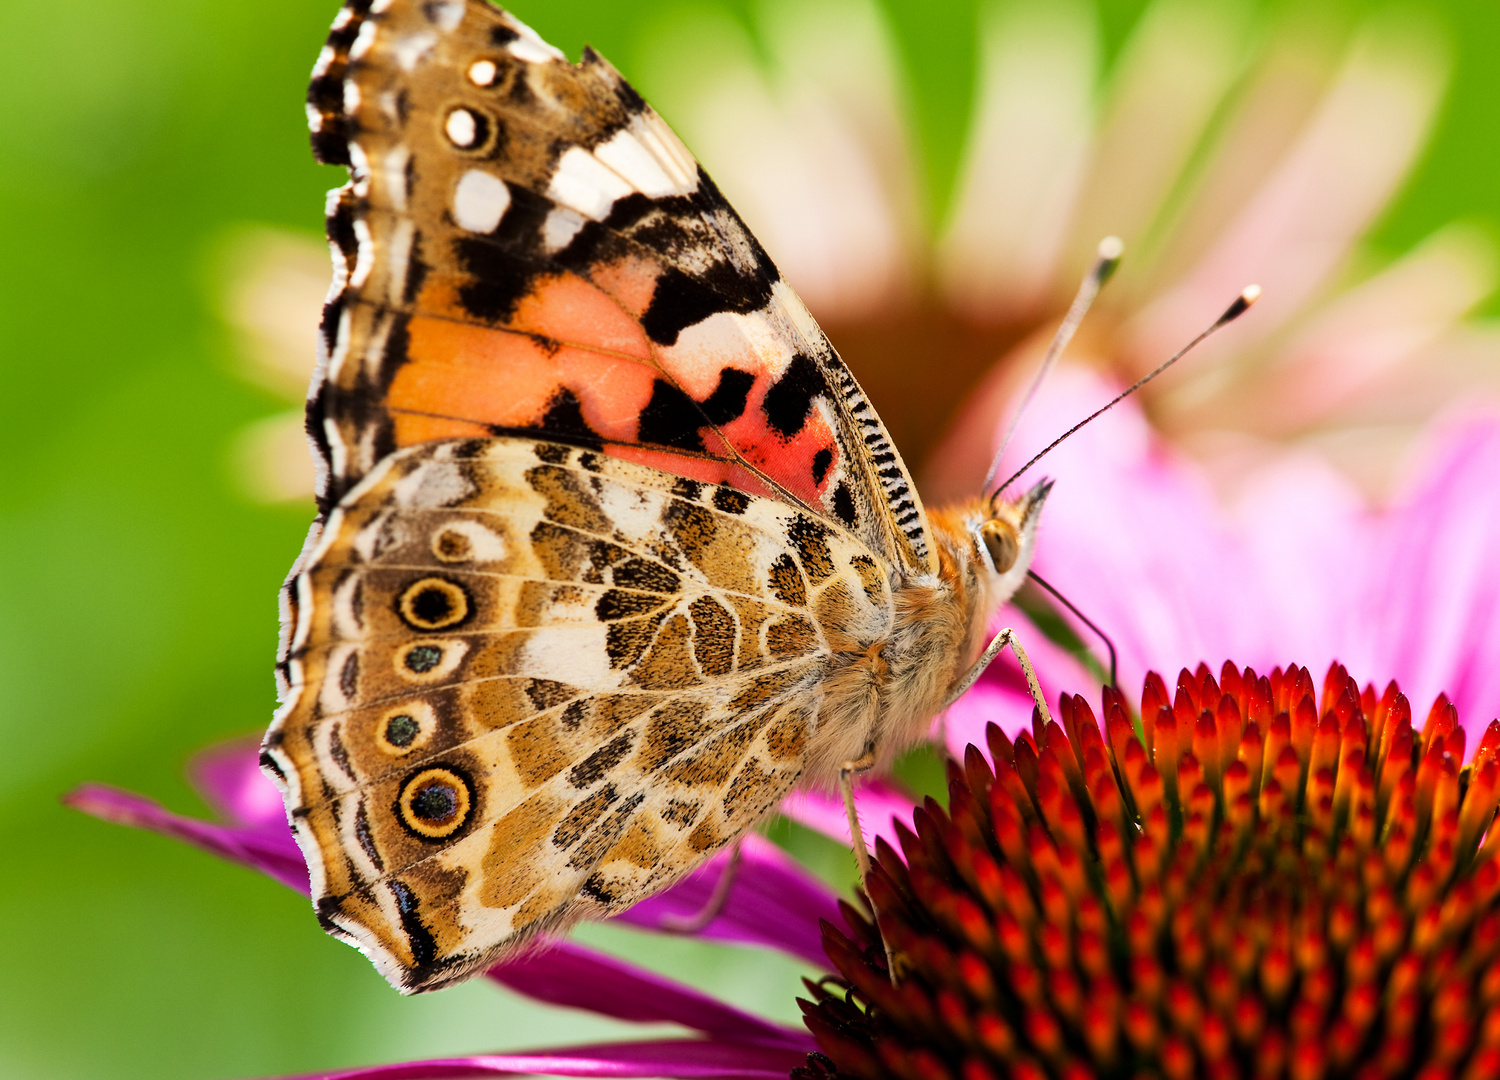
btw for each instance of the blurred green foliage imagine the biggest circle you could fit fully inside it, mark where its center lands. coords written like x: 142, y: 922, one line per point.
x: 138, y: 588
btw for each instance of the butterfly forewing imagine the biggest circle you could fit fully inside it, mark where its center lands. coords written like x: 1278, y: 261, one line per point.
x: 605, y: 519
x: 531, y: 683
x: 524, y: 246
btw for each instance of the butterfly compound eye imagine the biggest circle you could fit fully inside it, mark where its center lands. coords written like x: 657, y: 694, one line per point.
x: 1000, y: 541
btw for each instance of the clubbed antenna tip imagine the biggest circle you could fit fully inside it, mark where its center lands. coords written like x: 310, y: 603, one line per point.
x: 1106, y: 262
x: 1248, y: 295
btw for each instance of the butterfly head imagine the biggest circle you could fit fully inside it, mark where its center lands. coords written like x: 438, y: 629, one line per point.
x: 1004, y: 535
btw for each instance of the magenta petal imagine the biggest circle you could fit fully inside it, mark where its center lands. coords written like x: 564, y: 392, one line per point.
x: 773, y: 902
x: 765, y: 909
x: 229, y: 777
x: 1433, y: 601
x: 579, y: 978
x: 690, y: 1059
x: 565, y: 974
x: 880, y: 804
x: 271, y: 852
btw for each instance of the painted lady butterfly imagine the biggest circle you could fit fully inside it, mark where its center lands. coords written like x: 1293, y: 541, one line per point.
x: 613, y: 550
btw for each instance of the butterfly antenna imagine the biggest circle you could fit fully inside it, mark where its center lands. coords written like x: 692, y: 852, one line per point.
x: 1242, y: 302
x: 1105, y: 263
x: 1065, y: 602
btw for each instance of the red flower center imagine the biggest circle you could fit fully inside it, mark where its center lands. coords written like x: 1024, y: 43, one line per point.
x: 1248, y: 884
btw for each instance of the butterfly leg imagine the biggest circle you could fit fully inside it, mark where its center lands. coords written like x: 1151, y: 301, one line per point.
x: 691, y: 924
x: 1004, y: 638
x: 862, y: 764
x: 895, y: 963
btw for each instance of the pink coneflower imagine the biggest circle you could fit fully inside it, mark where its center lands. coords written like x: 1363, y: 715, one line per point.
x: 1254, y: 883
x: 1223, y: 145
x: 1063, y: 916
x: 1300, y: 565
x: 1254, y: 876
x: 1266, y: 886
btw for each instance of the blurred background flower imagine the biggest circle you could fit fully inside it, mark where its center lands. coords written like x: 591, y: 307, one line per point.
x: 932, y: 177
x: 1224, y: 144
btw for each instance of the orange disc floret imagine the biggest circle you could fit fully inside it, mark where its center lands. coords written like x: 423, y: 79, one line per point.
x: 1253, y: 877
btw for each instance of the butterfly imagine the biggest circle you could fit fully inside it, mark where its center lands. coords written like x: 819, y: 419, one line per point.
x: 612, y: 551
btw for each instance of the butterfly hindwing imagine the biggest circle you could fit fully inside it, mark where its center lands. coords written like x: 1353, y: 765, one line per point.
x: 531, y: 683
x: 525, y: 247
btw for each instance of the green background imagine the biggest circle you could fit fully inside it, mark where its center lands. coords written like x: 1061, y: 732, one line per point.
x: 138, y: 588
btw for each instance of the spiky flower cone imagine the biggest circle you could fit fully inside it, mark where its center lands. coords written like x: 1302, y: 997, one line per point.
x: 1254, y: 884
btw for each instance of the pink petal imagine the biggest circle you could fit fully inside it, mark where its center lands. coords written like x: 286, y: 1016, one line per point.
x: 229, y: 777
x: 1134, y: 537
x: 690, y: 1059
x: 880, y: 804
x: 578, y: 978
x: 1298, y: 228
x: 1025, y: 161
x: 1308, y: 544
x: 270, y: 851
x: 1357, y: 342
x: 1433, y: 598
x: 773, y: 902
x: 564, y: 974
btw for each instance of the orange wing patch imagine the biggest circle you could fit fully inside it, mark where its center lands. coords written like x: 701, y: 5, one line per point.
x: 524, y: 246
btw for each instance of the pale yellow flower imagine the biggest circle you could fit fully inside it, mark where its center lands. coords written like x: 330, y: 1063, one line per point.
x: 1222, y: 148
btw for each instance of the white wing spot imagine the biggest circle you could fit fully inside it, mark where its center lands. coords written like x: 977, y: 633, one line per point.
x: 411, y: 49
x: 363, y: 39
x: 331, y: 696
x: 586, y: 184
x: 395, y: 176
x: 325, y: 58
x: 346, y: 622
x: 390, y: 105
x: 364, y: 260
x: 400, y: 258
x: 796, y: 311
x: 628, y: 156
x: 667, y: 148
x: 480, y: 201
x: 576, y: 654
x: 530, y: 51
x: 445, y: 14
x: 560, y: 227
x: 432, y: 485
x: 461, y: 128
x: 483, y: 72
x: 530, y: 46
x: 468, y: 541
x: 359, y: 165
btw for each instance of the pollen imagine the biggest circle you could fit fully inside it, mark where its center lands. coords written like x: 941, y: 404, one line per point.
x: 1252, y: 878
